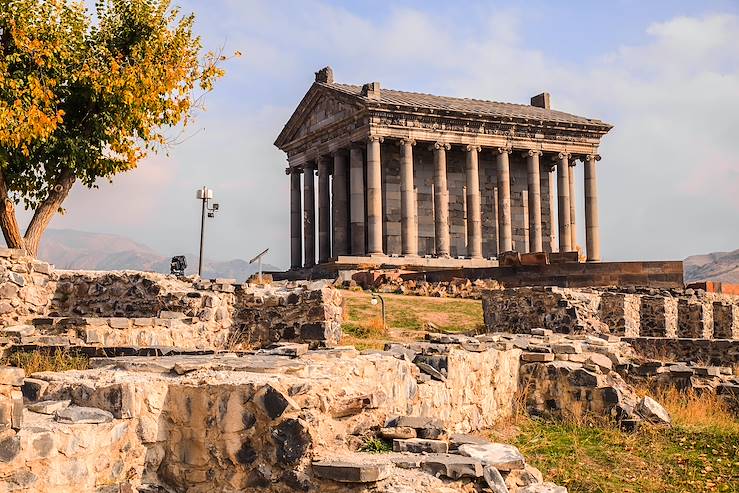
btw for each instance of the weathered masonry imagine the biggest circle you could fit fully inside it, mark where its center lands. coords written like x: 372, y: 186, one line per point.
x: 417, y: 176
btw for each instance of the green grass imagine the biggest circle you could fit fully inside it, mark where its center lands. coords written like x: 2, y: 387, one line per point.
x: 414, y: 312
x: 602, y: 459
x: 376, y: 445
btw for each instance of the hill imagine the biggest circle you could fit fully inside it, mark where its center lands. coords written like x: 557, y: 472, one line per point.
x: 71, y: 249
x: 717, y: 266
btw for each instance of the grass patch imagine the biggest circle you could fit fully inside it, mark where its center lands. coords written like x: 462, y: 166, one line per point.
x: 56, y: 360
x: 700, y: 453
x: 376, y: 446
x: 414, y: 312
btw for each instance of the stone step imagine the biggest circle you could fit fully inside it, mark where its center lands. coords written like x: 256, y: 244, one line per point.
x: 351, y: 472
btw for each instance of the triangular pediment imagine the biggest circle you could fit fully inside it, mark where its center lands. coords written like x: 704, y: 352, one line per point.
x: 320, y: 108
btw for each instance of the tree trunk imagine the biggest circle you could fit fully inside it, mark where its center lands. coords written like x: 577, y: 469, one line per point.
x: 8, y: 222
x: 45, y: 212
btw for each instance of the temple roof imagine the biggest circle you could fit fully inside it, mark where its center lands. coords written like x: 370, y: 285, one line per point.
x: 476, y: 107
x: 328, y: 102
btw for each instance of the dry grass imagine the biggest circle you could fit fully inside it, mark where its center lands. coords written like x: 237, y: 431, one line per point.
x: 698, y: 410
x: 36, y: 361
x: 587, y: 453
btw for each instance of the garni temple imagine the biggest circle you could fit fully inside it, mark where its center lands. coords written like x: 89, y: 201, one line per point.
x: 429, y: 181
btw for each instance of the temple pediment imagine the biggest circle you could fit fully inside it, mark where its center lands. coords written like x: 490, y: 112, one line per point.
x: 318, y: 110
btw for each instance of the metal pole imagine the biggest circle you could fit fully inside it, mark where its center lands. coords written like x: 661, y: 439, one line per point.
x: 202, y: 233
x: 382, y: 304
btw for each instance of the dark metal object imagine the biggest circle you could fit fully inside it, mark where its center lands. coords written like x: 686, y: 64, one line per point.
x: 178, y: 265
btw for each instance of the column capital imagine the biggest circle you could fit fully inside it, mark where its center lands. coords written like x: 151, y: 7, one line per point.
x: 436, y: 146
x: 564, y: 155
x: 376, y: 138
x: 403, y: 142
x: 293, y: 170
x: 532, y: 152
x: 340, y: 152
x: 475, y: 148
x: 591, y: 157
x: 507, y: 150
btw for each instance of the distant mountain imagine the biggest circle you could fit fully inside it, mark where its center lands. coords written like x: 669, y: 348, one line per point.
x: 70, y: 249
x: 717, y: 266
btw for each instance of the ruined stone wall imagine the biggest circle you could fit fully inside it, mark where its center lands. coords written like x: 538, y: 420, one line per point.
x: 240, y: 423
x: 558, y: 309
x: 142, y: 309
x: 274, y: 314
x: 26, y: 286
x: 720, y: 352
x: 624, y: 312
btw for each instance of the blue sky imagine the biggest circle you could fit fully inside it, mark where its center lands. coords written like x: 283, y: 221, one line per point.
x: 666, y: 74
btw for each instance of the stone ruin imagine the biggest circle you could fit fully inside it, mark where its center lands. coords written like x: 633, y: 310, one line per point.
x: 215, y: 386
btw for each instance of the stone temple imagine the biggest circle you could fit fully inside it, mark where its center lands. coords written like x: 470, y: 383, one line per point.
x: 431, y: 181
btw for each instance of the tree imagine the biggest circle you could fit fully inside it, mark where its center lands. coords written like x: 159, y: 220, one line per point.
x: 85, y: 96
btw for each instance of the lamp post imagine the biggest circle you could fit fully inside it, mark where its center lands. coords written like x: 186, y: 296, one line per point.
x: 376, y: 297
x: 205, y: 195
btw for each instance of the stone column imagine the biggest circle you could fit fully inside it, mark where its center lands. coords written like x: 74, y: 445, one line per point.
x: 526, y: 233
x: 408, y: 225
x: 441, y: 200
x: 309, y: 214
x: 340, y: 205
x: 534, y: 204
x: 563, y: 202
x: 296, y: 242
x: 374, y: 196
x: 474, y: 220
x: 324, y: 210
x: 573, y: 208
x: 552, y: 193
x: 592, y: 222
x: 496, y: 215
x: 356, y: 208
x: 504, y: 200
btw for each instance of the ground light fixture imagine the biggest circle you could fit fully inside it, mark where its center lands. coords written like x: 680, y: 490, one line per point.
x: 205, y: 195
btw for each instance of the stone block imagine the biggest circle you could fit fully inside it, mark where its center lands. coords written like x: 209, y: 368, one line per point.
x: 48, y: 407
x: 348, y: 472
x: 86, y: 415
x: 652, y: 411
x: 451, y: 466
x: 420, y: 445
x: 398, y: 432
x: 537, y: 357
x: 566, y: 348
x: 10, y: 375
x: 33, y: 389
x: 494, y: 480
x: 498, y: 455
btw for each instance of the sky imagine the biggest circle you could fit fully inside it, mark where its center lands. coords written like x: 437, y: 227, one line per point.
x: 664, y: 73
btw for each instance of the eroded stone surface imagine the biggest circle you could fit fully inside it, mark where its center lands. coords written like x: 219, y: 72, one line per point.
x: 498, y: 455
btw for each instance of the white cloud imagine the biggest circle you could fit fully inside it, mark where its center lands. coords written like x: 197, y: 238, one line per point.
x: 669, y: 178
